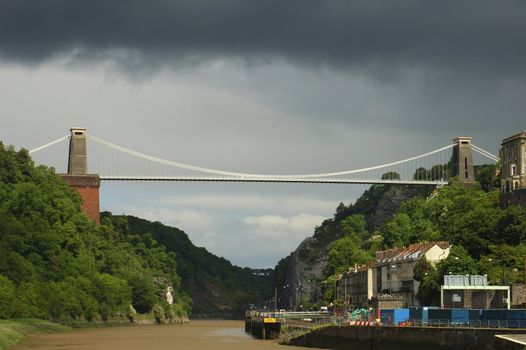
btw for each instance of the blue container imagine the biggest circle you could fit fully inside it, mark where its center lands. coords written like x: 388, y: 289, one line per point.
x: 401, y: 315
x: 493, y: 314
x: 515, y: 314
x: 415, y: 313
x: 474, y: 314
x: 459, y: 316
x: 440, y: 314
x: 425, y: 314
x: 387, y: 316
x: 394, y: 316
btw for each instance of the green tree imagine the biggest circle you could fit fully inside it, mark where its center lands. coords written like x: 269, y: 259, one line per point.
x: 143, y: 293
x: 345, y: 252
x: 354, y: 226
x: 7, y: 297
x: 429, y: 288
x: 422, y: 268
x: 391, y: 175
x: 396, y: 232
x: 421, y: 174
x: 458, y: 262
x: 504, y: 264
x: 486, y: 176
x: 511, y: 226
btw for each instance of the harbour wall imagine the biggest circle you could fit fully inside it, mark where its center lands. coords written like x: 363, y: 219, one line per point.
x: 403, y: 338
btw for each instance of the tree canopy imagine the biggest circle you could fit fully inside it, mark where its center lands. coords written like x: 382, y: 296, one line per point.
x: 56, y: 263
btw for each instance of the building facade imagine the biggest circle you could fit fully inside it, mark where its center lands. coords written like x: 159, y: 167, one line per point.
x: 473, y: 292
x: 390, y: 275
x: 395, y: 269
x: 355, y: 287
x: 513, y: 170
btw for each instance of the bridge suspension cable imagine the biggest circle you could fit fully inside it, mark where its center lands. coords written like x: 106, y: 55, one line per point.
x: 485, y: 153
x: 229, y: 173
x: 432, y: 168
x: 34, y: 150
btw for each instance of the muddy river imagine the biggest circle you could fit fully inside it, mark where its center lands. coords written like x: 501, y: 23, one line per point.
x: 195, y: 335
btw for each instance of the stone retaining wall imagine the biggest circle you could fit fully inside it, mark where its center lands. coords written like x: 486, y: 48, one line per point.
x: 403, y: 338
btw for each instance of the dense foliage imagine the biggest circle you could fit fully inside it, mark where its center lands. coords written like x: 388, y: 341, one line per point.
x: 56, y: 263
x: 486, y: 239
x: 218, y: 288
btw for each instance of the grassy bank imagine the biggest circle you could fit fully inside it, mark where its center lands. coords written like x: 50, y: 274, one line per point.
x: 13, y: 331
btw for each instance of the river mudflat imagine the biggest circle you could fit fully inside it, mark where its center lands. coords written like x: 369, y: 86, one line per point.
x: 218, y: 335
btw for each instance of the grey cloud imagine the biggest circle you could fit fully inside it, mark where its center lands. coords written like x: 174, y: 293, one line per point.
x: 471, y: 35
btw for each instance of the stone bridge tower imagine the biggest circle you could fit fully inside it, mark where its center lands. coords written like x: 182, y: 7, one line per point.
x: 462, y: 160
x: 87, y: 184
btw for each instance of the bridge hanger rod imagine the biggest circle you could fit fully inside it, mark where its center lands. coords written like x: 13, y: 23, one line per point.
x: 242, y: 175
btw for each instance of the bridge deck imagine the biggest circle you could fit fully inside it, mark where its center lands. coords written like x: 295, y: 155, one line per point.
x: 273, y: 180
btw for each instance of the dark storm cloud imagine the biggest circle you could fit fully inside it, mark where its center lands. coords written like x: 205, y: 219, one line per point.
x: 456, y: 33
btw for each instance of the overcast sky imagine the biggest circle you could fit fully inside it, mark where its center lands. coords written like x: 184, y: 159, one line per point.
x: 266, y: 86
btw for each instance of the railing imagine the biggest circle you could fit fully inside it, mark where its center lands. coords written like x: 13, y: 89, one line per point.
x: 467, y: 323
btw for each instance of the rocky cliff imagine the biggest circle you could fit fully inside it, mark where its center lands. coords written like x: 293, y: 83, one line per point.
x: 307, y: 267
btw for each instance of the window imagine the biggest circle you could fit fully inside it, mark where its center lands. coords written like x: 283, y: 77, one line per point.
x: 516, y: 186
x: 513, y: 170
x: 507, y: 186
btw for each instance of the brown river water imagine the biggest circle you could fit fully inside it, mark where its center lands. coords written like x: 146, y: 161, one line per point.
x: 220, y: 335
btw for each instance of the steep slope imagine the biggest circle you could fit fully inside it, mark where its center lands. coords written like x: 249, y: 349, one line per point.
x: 307, y: 267
x: 218, y: 288
x: 55, y: 263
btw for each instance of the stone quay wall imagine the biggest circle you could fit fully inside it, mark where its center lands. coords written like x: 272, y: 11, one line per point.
x: 403, y: 338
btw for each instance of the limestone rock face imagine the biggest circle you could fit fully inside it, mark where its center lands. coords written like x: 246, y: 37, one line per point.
x: 307, y: 267
x: 305, y: 272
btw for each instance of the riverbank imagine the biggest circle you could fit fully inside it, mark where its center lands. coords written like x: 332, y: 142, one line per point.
x: 13, y: 331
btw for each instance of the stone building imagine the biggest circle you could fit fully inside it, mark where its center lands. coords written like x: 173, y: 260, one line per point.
x: 391, y: 275
x: 513, y: 170
x: 356, y: 285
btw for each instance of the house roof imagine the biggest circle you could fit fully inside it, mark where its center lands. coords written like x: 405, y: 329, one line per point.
x: 411, y: 252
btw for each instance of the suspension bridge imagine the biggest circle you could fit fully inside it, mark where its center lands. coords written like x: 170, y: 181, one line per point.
x: 112, y: 162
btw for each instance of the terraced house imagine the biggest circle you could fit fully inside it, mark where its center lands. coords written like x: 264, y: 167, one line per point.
x: 391, y: 273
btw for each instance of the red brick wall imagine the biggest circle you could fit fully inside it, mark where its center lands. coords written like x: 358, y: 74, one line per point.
x: 90, y: 202
x: 88, y: 187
